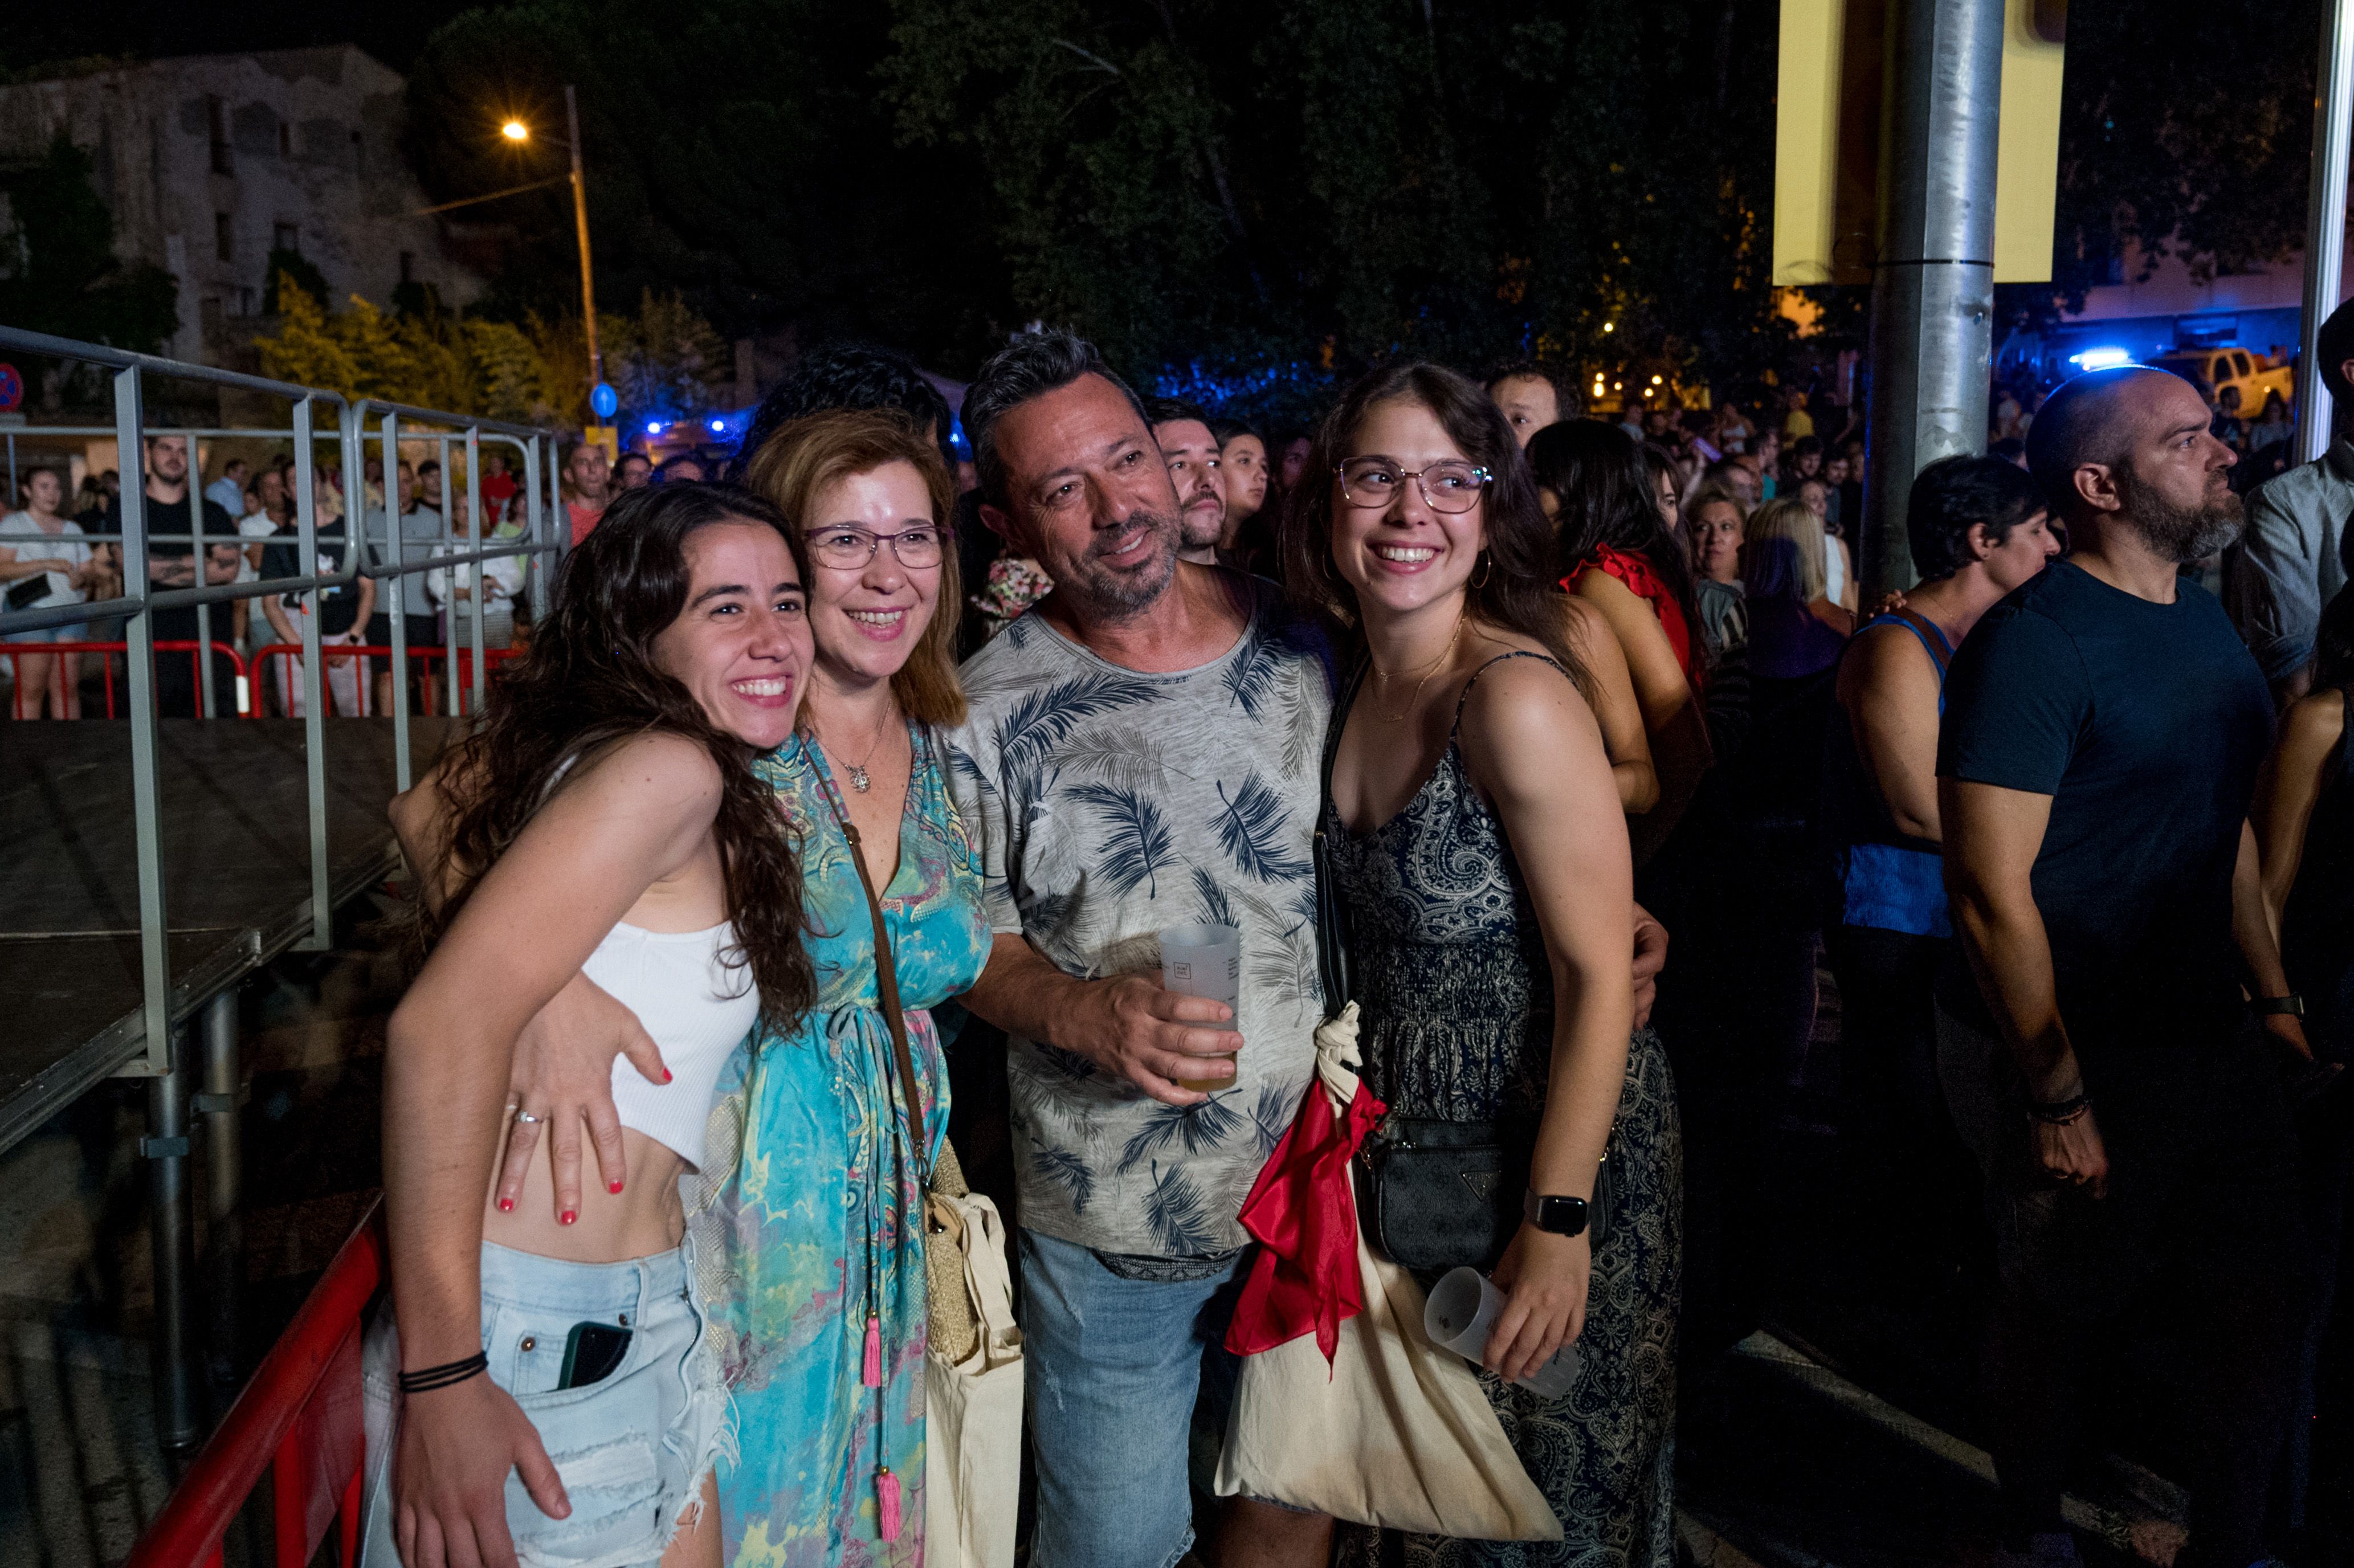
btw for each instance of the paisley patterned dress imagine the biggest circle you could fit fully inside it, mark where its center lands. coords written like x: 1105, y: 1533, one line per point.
x: 1451, y: 969
x: 802, y: 1213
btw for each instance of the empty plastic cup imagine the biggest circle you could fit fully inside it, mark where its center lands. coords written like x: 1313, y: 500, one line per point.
x: 1460, y: 1311
x: 1205, y: 961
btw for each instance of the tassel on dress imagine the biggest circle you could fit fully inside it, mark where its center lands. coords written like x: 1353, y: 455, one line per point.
x: 871, y: 1374
x: 886, y: 1498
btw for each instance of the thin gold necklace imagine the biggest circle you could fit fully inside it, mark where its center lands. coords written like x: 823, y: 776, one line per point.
x: 1428, y: 671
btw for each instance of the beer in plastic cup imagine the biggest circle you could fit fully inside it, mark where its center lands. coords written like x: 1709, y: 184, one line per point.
x: 1204, y: 961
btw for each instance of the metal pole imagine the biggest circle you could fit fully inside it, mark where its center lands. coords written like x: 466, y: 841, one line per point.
x: 218, y: 1102
x: 146, y: 788
x: 1933, y: 294
x: 165, y: 1147
x: 2325, y: 231
x: 473, y: 542
x: 396, y: 556
x: 200, y: 553
x: 315, y: 724
x: 580, y: 220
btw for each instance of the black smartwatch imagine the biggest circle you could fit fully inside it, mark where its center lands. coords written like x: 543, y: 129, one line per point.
x: 1561, y: 1216
x: 2289, y: 1006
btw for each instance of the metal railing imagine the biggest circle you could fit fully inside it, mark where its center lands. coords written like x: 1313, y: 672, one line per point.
x: 543, y: 537
x: 301, y: 1419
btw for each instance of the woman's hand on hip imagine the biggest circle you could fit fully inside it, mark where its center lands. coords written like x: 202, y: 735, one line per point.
x: 1543, y: 1277
x: 563, y: 1076
x: 450, y: 1475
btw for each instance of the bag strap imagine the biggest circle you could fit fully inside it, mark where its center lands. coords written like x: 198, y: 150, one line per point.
x: 1332, y: 914
x: 886, y: 987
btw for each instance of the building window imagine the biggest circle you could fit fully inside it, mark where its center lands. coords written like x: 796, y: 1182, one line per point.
x: 216, y: 123
x: 245, y: 301
x: 285, y: 140
x: 224, y: 237
x: 408, y: 266
x: 286, y: 236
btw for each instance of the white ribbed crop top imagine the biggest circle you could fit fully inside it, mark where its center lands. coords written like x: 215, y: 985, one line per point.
x: 687, y: 999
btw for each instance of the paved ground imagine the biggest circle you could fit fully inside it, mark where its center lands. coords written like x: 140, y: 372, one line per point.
x: 1786, y: 1461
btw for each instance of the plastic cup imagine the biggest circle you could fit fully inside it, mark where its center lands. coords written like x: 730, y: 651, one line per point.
x: 1460, y: 1311
x: 1204, y: 961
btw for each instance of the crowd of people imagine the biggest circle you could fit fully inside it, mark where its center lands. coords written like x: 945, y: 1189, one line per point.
x: 1554, y: 753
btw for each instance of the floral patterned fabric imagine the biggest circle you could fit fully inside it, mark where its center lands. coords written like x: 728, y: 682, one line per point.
x: 806, y: 1228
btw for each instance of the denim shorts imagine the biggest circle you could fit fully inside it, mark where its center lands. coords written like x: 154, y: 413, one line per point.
x: 632, y: 1448
x: 78, y: 632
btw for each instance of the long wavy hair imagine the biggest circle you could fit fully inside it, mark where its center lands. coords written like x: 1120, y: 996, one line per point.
x: 588, y: 681
x: 1515, y: 591
x: 1597, y: 472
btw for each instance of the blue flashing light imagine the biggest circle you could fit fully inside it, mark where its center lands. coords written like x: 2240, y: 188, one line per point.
x: 2101, y: 358
x: 653, y: 427
x: 718, y: 424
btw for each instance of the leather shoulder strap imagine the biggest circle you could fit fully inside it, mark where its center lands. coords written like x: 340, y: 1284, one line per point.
x: 887, y: 986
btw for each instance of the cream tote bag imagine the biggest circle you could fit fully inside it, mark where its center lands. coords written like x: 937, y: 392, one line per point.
x: 1395, y: 1432
x: 972, y: 1445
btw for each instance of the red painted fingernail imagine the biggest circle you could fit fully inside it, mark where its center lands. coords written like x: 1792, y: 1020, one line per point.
x: 569, y: 1216
x: 613, y: 1187
x: 665, y: 1074
x: 507, y: 1205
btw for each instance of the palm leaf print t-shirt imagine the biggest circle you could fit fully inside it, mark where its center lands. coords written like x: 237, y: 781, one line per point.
x: 1110, y: 803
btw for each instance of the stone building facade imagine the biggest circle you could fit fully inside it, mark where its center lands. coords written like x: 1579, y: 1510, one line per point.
x: 209, y: 163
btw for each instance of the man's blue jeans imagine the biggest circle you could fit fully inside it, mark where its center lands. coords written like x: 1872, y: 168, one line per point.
x: 1114, y: 1367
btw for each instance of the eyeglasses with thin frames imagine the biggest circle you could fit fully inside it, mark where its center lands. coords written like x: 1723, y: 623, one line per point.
x: 1374, y: 482
x: 851, y: 549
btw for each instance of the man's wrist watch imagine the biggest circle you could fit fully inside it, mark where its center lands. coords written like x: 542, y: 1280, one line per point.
x: 2291, y: 1006
x: 1560, y: 1216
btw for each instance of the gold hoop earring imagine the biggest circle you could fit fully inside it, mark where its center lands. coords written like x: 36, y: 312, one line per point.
x: 1486, y: 570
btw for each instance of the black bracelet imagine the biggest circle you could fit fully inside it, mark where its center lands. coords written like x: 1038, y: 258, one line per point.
x: 427, y: 1379
x: 2060, y: 1113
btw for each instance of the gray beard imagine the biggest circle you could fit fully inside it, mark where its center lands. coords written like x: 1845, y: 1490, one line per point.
x: 2182, y: 534
x: 1120, y: 595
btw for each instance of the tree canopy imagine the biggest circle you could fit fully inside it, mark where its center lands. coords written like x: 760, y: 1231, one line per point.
x: 58, y: 272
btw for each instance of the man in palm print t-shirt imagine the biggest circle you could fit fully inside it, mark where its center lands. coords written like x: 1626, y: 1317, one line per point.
x: 1142, y: 752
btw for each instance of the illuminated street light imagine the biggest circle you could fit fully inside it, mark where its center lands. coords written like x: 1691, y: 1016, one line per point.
x: 1610, y: 326
x: 515, y: 130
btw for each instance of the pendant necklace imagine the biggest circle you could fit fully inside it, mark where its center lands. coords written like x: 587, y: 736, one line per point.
x: 1429, y: 671
x: 858, y: 778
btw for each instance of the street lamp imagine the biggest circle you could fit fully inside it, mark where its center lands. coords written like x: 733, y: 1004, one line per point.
x: 517, y: 131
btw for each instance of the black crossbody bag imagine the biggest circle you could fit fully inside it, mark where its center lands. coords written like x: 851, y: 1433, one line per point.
x: 1433, y: 1194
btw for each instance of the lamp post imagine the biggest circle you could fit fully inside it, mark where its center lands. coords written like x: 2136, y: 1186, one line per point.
x: 517, y: 131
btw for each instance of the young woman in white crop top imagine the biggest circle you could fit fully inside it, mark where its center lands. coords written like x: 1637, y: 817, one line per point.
x: 605, y: 820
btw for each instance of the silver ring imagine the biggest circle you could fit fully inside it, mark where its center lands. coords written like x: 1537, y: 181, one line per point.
x: 527, y: 1117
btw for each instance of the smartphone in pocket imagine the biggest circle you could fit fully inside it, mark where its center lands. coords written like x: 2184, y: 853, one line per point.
x: 592, y: 1351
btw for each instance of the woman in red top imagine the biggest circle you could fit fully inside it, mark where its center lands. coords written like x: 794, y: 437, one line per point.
x: 1621, y: 560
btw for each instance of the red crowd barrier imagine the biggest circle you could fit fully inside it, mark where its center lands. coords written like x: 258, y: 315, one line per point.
x: 301, y: 1418
x: 12, y: 651
x: 426, y: 657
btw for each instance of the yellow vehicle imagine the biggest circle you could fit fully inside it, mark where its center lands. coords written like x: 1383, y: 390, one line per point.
x: 2255, y: 375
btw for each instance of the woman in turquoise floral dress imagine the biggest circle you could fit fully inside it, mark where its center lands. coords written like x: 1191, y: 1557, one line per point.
x: 818, y: 1319
x: 806, y: 1211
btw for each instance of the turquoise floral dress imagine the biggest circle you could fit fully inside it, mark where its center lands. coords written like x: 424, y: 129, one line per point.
x: 807, y: 1230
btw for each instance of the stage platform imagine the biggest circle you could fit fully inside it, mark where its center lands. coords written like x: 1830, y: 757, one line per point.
x: 236, y: 877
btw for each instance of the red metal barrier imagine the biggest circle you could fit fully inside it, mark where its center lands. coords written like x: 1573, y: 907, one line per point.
x: 301, y: 1418
x: 426, y: 657
x: 11, y: 650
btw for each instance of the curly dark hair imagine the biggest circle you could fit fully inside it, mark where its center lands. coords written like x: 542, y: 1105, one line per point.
x: 588, y: 681
x: 1518, y: 591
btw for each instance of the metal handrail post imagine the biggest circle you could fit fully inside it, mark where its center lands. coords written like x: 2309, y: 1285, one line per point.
x: 146, y: 792
x: 200, y: 553
x: 314, y: 726
x: 535, y: 527
x: 449, y: 547
x: 398, y: 614
x: 482, y: 568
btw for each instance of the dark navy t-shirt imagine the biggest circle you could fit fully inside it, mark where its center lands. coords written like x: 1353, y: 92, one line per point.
x: 2146, y: 724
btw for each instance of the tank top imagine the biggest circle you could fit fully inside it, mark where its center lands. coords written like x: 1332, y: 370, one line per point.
x: 1884, y: 879
x: 1834, y: 569
x: 1643, y: 580
x: 697, y: 1009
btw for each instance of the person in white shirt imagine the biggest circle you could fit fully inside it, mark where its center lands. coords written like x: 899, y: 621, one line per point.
x: 451, y: 588
x: 44, y: 563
